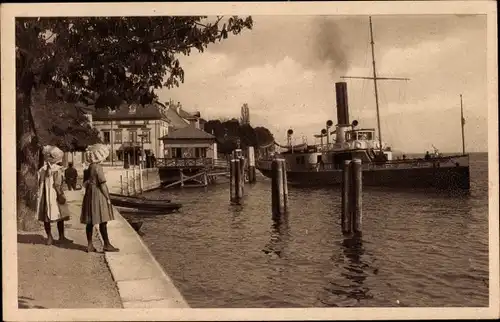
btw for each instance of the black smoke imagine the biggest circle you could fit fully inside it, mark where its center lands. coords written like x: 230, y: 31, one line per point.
x: 327, y: 45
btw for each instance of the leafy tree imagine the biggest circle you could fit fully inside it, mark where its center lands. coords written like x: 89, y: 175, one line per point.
x: 228, y: 133
x: 264, y: 137
x: 61, y: 124
x: 104, y: 59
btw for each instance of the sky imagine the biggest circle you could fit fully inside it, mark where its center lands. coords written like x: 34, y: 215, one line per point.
x: 286, y: 67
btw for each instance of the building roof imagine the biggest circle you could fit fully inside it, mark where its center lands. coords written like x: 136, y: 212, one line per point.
x: 146, y: 112
x: 188, y: 133
x: 175, y: 120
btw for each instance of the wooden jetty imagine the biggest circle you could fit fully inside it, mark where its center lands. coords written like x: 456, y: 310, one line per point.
x: 191, y: 172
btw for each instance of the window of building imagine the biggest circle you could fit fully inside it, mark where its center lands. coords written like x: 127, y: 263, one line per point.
x: 147, y: 136
x: 176, y: 153
x: 118, y: 136
x: 133, y: 136
x: 106, y: 137
x: 132, y: 121
x: 200, y: 152
x: 146, y: 122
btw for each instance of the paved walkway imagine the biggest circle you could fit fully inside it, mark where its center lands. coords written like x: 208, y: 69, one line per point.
x: 64, y: 276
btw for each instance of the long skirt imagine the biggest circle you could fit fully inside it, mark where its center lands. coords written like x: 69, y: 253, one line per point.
x: 95, y: 208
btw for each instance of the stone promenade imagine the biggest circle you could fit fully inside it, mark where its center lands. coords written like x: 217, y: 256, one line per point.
x: 65, y: 276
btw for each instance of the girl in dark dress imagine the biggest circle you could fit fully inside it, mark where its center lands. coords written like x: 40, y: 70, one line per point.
x: 96, y: 205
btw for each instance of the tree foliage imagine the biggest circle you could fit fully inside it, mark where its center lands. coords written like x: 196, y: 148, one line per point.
x: 61, y: 124
x: 118, y: 58
x: 101, y: 61
x: 229, y: 132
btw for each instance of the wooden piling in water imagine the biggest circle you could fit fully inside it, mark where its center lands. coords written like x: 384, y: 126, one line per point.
x: 352, y: 187
x: 277, y: 188
x: 285, y: 185
x: 205, y: 178
x: 232, y: 186
x: 242, y: 175
x: 251, y: 165
x: 345, y: 211
x: 236, y: 181
x: 357, y: 198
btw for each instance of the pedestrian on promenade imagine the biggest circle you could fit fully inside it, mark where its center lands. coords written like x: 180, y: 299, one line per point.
x: 70, y: 176
x: 96, y: 205
x: 51, y: 203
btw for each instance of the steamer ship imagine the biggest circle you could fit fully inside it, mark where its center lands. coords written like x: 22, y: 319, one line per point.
x: 322, y: 164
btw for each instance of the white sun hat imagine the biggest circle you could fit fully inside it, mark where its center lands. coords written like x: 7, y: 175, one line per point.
x: 96, y: 153
x: 52, y: 154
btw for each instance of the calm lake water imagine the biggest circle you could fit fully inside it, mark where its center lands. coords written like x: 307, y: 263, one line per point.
x: 417, y: 248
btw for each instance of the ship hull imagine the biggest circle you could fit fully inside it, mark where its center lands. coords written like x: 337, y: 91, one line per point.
x: 449, y: 178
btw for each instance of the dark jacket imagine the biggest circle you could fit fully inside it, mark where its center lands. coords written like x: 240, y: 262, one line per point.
x: 70, y: 174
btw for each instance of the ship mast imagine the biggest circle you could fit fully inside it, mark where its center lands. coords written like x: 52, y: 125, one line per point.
x: 375, y: 78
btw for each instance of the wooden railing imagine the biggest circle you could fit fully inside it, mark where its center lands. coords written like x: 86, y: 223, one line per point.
x: 190, y: 163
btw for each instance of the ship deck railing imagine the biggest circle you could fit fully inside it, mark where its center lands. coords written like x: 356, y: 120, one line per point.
x: 372, y: 165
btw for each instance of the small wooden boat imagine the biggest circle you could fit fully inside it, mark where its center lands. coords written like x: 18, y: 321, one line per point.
x: 142, y: 203
x: 140, y: 198
x: 148, y: 212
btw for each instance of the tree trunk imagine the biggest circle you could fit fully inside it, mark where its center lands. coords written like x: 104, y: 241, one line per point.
x: 28, y: 157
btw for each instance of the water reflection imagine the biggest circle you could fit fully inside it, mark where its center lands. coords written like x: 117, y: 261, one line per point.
x: 279, y: 235
x: 236, y: 219
x: 348, y: 286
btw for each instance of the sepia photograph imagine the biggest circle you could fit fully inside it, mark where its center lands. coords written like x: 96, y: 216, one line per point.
x: 254, y: 161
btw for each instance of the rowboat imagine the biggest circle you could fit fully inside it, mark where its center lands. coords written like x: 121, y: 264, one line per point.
x: 142, y: 204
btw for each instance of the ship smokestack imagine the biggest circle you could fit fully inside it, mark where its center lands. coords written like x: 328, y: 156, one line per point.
x: 342, y: 112
x: 342, y: 104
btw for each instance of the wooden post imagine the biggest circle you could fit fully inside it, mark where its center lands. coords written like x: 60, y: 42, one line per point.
x: 357, y: 187
x: 285, y: 186
x: 128, y: 183
x: 182, y: 177
x: 277, y: 192
x: 121, y: 184
x: 242, y: 175
x: 134, y: 176
x: 232, y: 186
x: 238, y: 189
x: 251, y: 165
x: 141, y: 182
x: 345, y: 211
x: 205, y: 178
